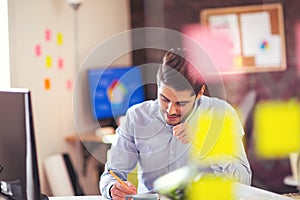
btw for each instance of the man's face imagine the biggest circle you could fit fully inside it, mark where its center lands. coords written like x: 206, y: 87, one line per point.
x: 175, y: 105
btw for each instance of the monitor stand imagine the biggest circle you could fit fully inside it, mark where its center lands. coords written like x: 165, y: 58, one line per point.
x: 44, y: 197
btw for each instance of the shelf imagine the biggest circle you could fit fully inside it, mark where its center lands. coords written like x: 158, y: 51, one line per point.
x: 84, y: 138
x: 107, y: 139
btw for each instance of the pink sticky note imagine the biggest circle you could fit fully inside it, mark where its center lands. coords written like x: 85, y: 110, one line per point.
x: 69, y: 84
x: 60, y: 63
x: 210, y: 50
x: 38, y: 50
x: 47, y: 34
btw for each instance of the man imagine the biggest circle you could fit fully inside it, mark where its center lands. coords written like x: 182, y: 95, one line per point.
x: 155, y: 133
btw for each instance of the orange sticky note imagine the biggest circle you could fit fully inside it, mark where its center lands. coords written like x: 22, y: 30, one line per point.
x: 59, y: 38
x: 48, y: 61
x: 47, y: 84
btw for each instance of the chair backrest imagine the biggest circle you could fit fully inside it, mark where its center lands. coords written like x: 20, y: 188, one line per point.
x: 246, y: 106
x: 61, y: 175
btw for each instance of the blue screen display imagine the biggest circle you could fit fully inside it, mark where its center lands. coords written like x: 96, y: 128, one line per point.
x: 114, y: 90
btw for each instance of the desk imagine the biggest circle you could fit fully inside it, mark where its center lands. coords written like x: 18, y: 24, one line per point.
x: 77, y: 198
x: 89, y: 137
x: 242, y: 192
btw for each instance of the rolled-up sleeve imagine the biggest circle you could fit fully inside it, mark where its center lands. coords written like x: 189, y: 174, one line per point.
x: 233, y: 169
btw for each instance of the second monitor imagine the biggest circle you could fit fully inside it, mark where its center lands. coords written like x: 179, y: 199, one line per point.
x: 113, y: 90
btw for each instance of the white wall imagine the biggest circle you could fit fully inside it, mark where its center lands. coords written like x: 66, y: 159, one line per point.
x: 4, y: 53
x: 53, y: 112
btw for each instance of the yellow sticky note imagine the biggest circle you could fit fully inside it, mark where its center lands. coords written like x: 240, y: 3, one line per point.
x: 47, y: 84
x: 277, y: 128
x: 59, y: 38
x: 212, y: 188
x: 214, y: 136
x: 238, y: 61
x: 48, y: 61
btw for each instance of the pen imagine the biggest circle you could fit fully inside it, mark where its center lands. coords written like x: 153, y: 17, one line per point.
x: 118, y: 179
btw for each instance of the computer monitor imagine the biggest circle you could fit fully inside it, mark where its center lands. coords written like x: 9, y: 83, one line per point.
x: 19, y: 176
x: 113, y: 90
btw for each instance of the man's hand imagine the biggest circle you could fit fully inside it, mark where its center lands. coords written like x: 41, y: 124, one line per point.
x: 180, y: 131
x: 118, y: 191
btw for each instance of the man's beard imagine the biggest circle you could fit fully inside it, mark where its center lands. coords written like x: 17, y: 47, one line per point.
x: 183, y: 119
x: 173, y: 124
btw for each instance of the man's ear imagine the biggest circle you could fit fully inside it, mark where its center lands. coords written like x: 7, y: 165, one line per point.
x: 199, y: 95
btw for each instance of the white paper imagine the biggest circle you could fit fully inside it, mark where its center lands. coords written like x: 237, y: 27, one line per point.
x: 268, y: 52
x: 228, y: 23
x: 254, y: 27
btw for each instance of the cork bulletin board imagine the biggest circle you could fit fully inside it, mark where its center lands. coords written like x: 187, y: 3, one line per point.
x: 257, y: 34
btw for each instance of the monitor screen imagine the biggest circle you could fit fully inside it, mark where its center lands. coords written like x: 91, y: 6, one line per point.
x: 19, y: 178
x: 113, y: 90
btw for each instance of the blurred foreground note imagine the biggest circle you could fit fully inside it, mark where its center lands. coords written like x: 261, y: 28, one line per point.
x: 277, y: 128
x: 213, y: 137
x: 211, y: 51
x: 212, y: 188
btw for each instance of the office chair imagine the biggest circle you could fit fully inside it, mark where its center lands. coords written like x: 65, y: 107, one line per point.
x: 61, y: 175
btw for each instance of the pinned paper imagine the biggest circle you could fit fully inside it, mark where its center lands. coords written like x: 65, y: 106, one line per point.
x: 277, y: 128
x: 47, y: 35
x: 59, y: 38
x: 47, y: 84
x: 48, y: 61
x: 254, y: 26
x: 268, y: 51
x: 38, y: 50
x: 228, y: 24
x: 60, y: 63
